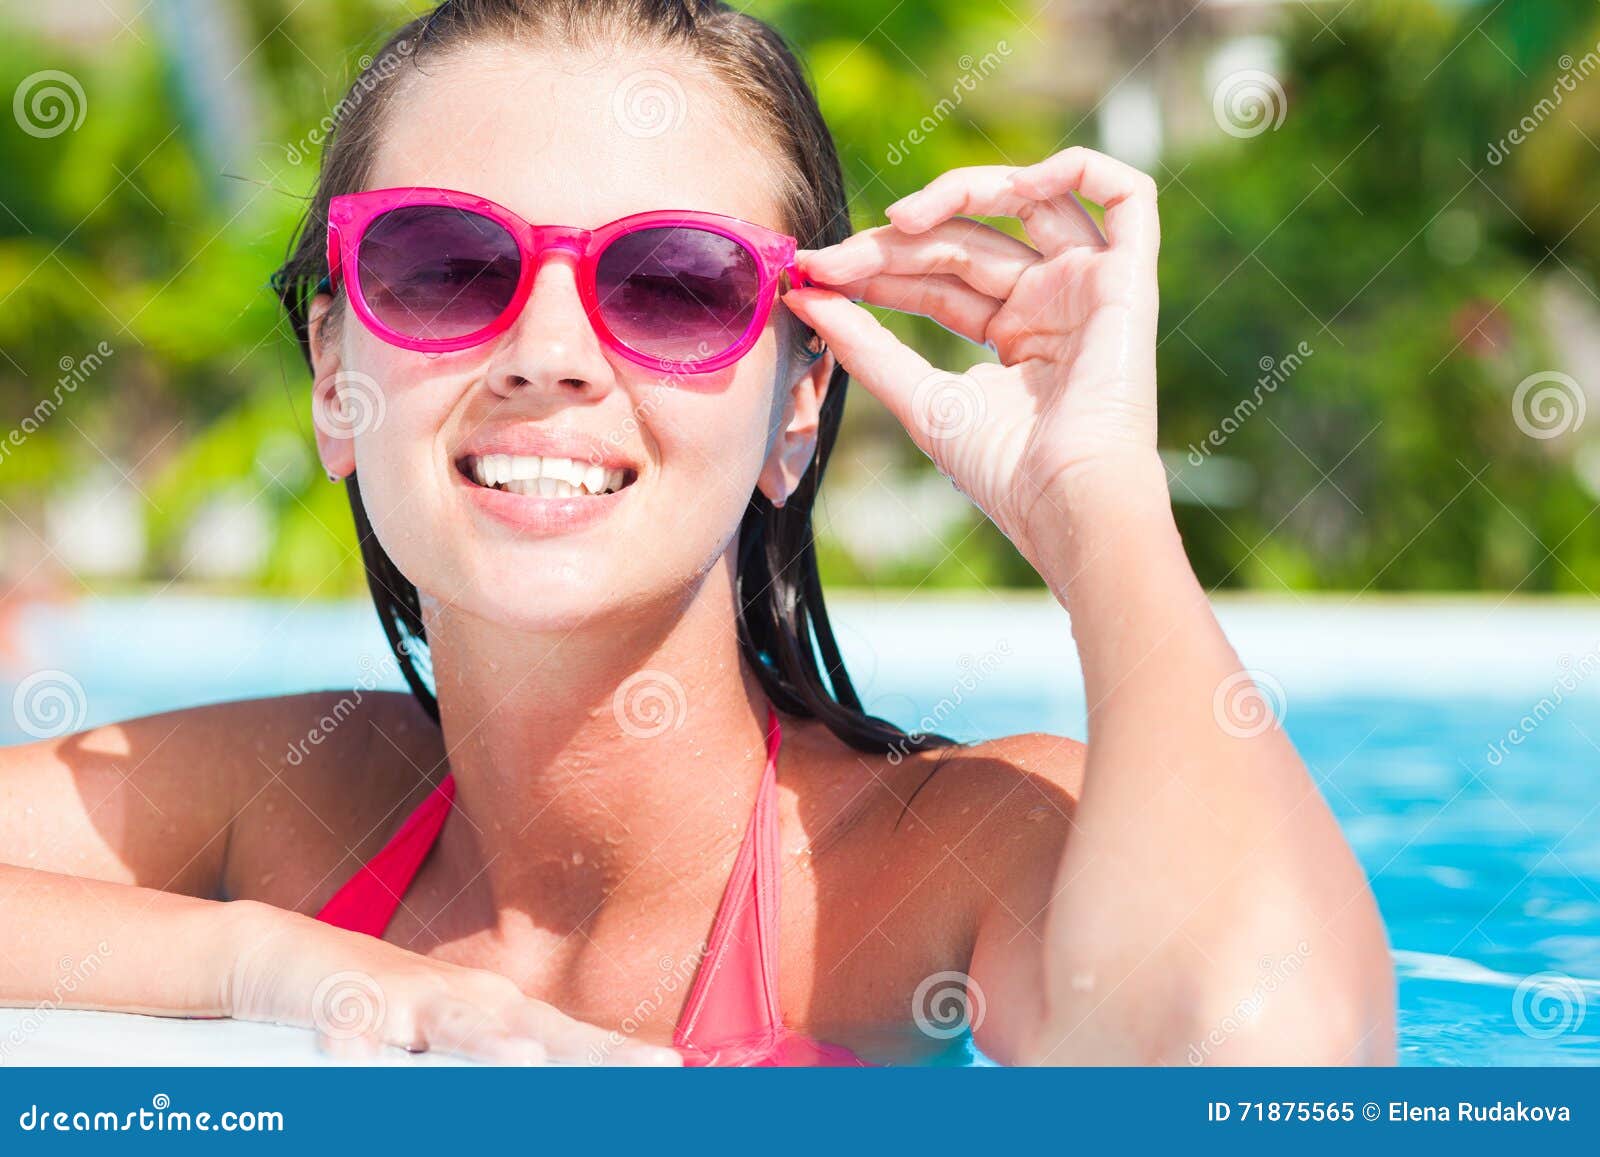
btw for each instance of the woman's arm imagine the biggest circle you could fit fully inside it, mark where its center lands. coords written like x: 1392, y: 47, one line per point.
x: 82, y: 943
x: 1207, y: 909
x: 101, y: 835
x: 1206, y: 905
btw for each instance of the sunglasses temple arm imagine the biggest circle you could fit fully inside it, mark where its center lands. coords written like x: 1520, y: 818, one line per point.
x: 796, y: 278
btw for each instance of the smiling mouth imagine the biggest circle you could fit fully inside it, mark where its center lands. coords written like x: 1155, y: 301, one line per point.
x: 544, y: 477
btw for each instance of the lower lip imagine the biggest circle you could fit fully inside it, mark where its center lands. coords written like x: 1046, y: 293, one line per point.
x: 533, y: 514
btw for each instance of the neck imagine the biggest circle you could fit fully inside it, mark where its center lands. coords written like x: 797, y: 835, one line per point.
x: 622, y: 753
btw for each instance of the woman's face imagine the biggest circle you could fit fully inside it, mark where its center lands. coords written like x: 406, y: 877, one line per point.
x: 569, y: 141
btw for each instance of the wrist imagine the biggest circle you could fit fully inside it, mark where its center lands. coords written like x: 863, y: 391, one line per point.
x: 1108, y: 490
x: 1102, y: 517
x: 249, y: 926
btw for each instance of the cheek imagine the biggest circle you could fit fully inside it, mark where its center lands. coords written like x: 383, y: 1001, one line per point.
x: 398, y: 453
x: 714, y: 444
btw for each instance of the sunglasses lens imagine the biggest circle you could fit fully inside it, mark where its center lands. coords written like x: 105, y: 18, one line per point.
x: 677, y: 293
x: 435, y: 273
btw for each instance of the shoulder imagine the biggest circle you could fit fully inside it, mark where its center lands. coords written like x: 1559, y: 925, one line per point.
x: 930, y: 843
x: 1019, y: 788
x: 332, y: 774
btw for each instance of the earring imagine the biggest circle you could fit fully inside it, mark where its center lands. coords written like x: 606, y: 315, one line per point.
x: 332, y: 477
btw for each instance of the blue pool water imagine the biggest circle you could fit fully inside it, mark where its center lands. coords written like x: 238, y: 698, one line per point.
x: 1484, y: 853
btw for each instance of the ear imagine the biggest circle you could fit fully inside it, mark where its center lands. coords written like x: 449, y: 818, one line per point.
x: 796, y: 442
x: 335, y: 445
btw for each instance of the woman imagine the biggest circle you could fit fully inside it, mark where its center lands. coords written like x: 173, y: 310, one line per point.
x: 582, y: 455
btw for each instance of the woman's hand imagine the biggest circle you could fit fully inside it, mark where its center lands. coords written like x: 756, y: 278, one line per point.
x: 1073, y: 322
x: 360, y: 993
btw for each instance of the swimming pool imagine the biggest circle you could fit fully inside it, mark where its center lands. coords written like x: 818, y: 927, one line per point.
x: 1457, y: 741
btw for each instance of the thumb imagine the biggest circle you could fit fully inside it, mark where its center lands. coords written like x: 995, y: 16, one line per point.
x: 906, y: 383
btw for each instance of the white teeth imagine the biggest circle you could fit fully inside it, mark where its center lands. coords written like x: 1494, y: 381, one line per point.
x: 544, y: 476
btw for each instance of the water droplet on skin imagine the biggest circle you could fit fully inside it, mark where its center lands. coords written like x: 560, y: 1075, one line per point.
x: 1036, y: 814
x: 577, y: 857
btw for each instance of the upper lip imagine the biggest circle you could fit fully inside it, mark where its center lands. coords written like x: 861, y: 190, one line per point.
x: 529, y: 441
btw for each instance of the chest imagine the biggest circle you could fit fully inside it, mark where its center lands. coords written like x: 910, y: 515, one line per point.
x: 849, y: 956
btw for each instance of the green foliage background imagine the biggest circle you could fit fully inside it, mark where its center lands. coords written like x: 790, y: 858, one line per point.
x: 1368, y: 225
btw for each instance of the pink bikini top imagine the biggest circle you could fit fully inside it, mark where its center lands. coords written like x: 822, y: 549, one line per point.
x: 732, y: 1016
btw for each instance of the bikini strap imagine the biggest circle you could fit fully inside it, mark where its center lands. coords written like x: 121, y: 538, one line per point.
x: 735, y: 991
x: 370, y: 898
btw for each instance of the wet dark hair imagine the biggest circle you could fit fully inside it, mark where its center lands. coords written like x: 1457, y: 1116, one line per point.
x: 784, y: 633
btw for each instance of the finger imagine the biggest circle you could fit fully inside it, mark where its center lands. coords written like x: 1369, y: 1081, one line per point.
x: 572, y: 1041
x: 984, y: 257
x: 1127, y: 194
x: 1054, y: 223
x: 944, y: 298
x: 452, y: 1025
x: 877, y: 359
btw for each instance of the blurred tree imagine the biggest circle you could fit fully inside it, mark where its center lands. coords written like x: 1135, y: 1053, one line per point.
x: 1369, y: 226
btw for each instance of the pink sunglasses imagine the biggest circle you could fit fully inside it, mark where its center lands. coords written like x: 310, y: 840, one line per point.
x: 673, y: 290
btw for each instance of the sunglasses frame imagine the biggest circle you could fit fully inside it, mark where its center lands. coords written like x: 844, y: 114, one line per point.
x: 351, y: 214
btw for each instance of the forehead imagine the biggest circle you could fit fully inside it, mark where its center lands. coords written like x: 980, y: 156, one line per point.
x: 575, y: 140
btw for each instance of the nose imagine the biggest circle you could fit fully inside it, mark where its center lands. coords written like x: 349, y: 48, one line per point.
x: 551, y: 346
